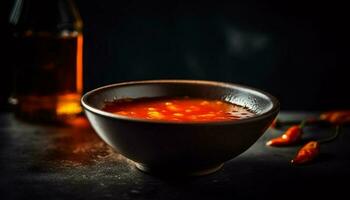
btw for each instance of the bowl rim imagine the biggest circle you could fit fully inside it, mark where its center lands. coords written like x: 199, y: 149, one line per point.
x: 274, y: 109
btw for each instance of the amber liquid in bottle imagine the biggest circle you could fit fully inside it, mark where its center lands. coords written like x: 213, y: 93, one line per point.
x: 48, y: 76
x: 48, y: 64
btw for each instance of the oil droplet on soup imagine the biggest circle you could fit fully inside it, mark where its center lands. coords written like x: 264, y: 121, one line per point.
x: 179, y: 109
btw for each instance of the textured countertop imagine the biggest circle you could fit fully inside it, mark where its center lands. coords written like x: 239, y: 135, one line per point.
x: 73, y: 163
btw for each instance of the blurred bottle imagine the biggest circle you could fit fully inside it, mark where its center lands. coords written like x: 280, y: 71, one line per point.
x: 48, y: 60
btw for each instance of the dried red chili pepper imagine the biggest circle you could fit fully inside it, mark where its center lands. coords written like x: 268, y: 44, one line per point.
x: 291, y: 136
x: 336, y: 117
x: 311, y: 150
x: 307, y: 153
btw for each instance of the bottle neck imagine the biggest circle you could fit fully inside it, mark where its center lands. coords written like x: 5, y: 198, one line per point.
x: 54, y: 16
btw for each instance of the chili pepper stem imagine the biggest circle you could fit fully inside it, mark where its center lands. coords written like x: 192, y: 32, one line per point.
x: 333, y: 137
x: 302, y: 124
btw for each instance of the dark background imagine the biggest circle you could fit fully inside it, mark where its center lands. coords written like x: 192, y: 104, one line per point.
x: 292, y: 49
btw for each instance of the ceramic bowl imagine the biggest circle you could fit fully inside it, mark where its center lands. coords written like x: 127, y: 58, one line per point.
x: 171, y: 148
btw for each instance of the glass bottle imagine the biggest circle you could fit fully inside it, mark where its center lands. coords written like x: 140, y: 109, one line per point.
x: 48, y: 60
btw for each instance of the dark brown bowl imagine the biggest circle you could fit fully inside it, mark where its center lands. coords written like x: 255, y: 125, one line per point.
x: 173, y: 147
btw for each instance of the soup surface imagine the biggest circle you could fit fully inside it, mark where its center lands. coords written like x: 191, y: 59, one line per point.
x: 180, y: 109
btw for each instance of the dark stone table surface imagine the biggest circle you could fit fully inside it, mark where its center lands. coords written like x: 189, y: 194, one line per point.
x: 50, y: 162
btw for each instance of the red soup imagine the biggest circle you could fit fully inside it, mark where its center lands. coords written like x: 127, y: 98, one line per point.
x: 180, y: 109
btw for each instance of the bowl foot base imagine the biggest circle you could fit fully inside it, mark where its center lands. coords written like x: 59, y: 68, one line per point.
x: 174, y: 171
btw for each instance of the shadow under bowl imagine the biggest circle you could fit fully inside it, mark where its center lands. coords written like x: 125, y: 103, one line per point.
x: 180, y: 148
